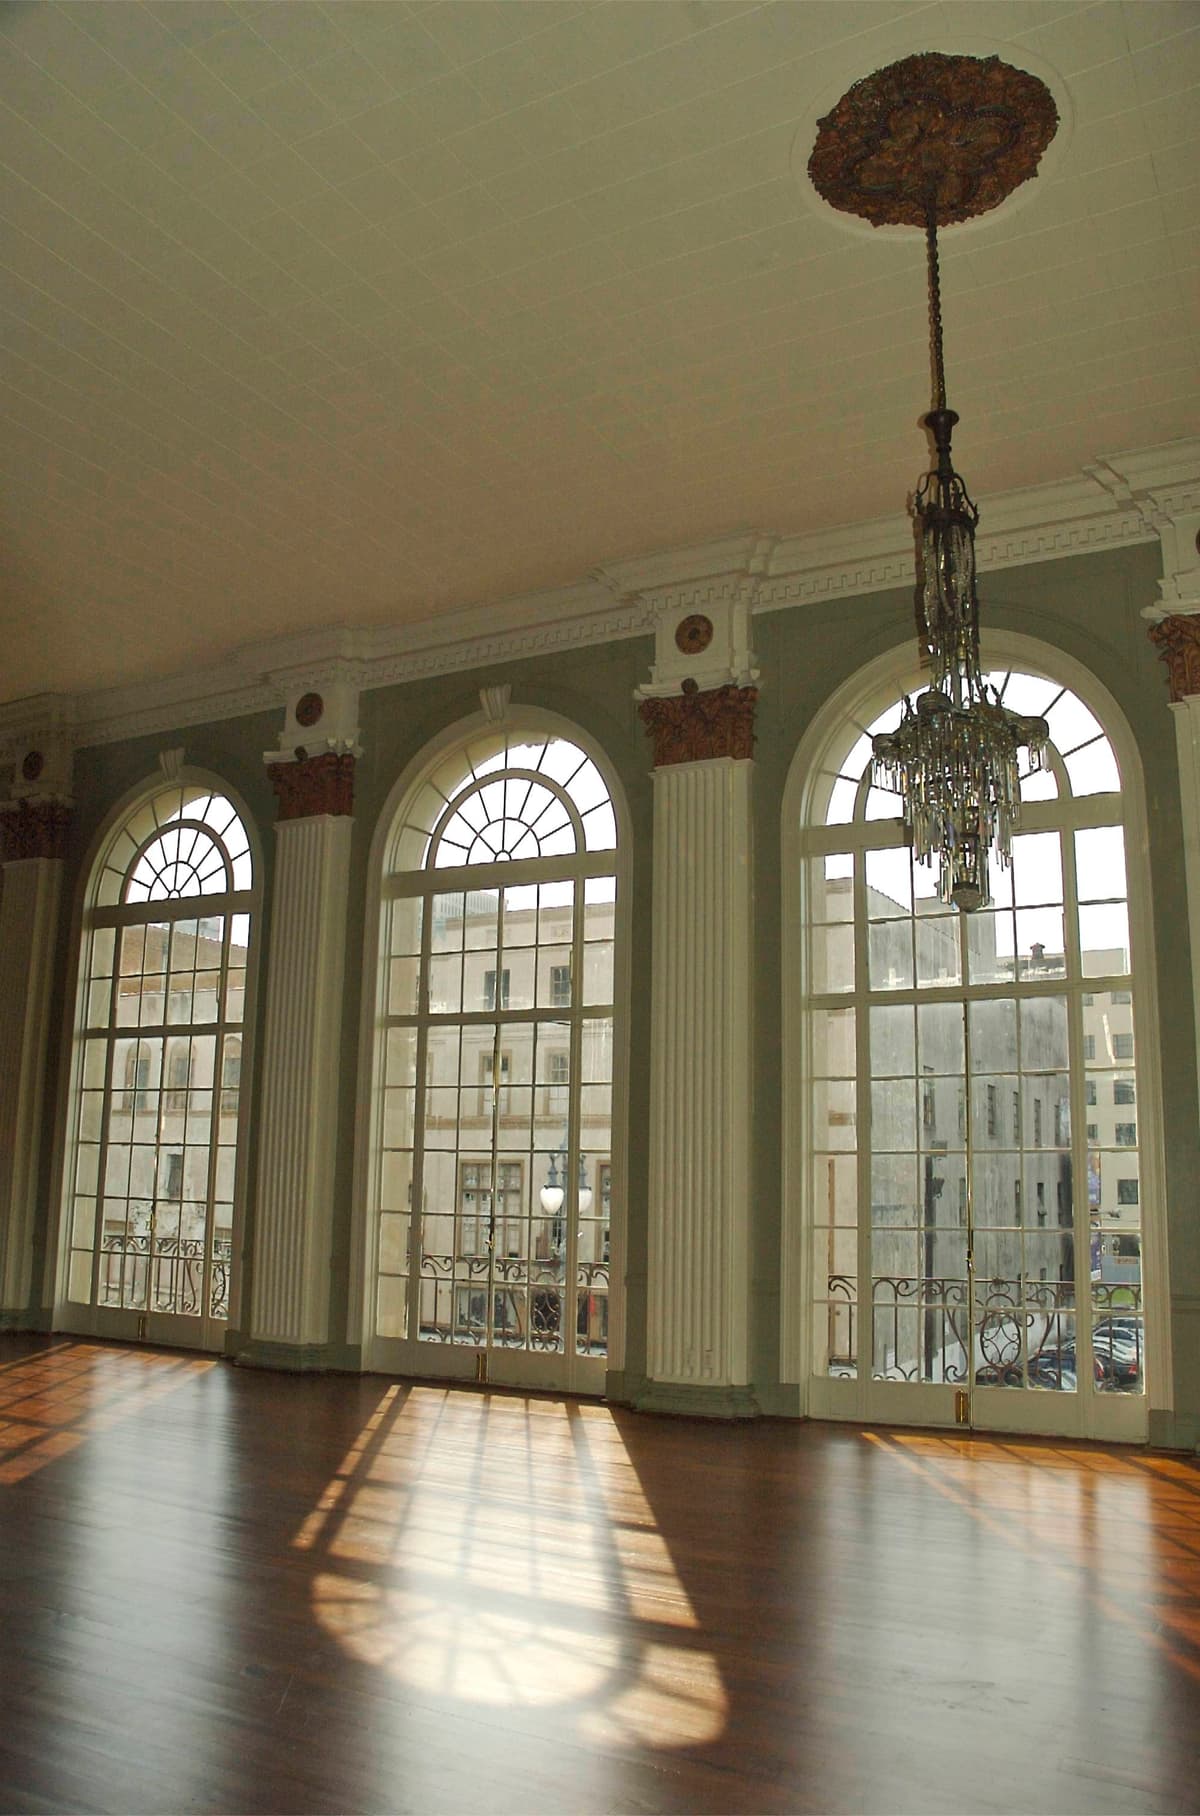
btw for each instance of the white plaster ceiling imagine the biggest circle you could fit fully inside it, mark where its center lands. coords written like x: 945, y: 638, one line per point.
x: 359, y: 313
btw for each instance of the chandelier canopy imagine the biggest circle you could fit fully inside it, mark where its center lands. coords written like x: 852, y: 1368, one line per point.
x: 939, y: 139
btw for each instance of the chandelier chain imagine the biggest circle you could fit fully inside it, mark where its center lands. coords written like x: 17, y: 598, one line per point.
x: 935, y: 306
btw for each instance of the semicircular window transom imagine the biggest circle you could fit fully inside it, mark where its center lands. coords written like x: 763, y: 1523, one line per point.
x: 184, y: 841
x: 1080, y: 760
x: 502, y: 801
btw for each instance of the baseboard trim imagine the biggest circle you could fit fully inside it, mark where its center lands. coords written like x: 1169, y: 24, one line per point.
x: 683, y: 1400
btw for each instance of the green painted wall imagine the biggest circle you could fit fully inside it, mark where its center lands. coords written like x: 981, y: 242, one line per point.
x: 1088, y: 606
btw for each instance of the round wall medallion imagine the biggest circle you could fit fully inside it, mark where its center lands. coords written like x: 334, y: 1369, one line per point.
x: 957, y: 134
x: 33, y: 765
x: 693, y: 634
x: 309, y: 708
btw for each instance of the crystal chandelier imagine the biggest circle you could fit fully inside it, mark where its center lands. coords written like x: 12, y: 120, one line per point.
x: 953, y: 758
x: 949, y: 137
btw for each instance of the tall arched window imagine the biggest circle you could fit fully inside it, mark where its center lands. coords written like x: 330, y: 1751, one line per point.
x: 974, y: 1186
x: 493, y: 1184
x: 151, y: 1175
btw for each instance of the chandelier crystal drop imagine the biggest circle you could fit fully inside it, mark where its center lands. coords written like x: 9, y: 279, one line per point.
x: 954, y: 757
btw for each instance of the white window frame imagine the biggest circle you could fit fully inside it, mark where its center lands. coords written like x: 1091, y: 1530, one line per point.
x: 859, y: 700
x: 68, y: 1314
x: 528, y: 724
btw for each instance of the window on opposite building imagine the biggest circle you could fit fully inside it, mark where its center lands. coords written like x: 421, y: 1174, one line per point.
x: 489, y: 990
x: 560, y: 986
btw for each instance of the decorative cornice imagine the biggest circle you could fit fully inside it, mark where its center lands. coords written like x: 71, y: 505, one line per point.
x: 34, y: 829
x: 1177, y: 640
x: 623, y: 599
x: 693, y: 727
x: 313, y: 785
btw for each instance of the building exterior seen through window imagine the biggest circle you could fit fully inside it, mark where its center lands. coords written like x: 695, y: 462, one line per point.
x: 969, y: 1222
x: 497, y: 1049
x: 151, y: 1174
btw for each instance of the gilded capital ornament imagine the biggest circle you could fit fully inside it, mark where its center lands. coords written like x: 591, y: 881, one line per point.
x: 692, y: 727
x: 1178, y: 641
x: 34, y: 829
x: 314, y: 785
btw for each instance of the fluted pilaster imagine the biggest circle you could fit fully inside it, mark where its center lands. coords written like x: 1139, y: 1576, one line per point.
x: 29, y: 903
x: 700, y: 1078
x: 299, y: 1106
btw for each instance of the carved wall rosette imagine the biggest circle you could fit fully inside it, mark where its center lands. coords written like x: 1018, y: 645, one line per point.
x: 1178, y: 642
x: 34, y: 829
x: 692, y: 727
x: 314, y: 785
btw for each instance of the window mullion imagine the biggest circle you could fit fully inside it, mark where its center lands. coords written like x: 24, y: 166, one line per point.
x: 862, y: 1117
x: 416, y: 1210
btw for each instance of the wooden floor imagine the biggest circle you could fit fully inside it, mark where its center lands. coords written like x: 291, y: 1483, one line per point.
x: 225, y: 1591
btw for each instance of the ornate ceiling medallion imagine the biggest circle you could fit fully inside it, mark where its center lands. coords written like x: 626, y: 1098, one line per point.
x: 963, y: 132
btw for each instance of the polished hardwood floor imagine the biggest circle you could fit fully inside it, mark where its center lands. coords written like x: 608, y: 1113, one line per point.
x: 223, y: 1590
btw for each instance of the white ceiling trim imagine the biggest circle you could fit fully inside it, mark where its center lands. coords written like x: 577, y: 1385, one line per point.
x: 1128, y: 498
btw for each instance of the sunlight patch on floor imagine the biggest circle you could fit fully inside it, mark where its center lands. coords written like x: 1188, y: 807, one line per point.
x: 469, y: 1549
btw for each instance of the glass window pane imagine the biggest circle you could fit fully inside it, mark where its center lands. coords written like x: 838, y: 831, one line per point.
x: 992, y: 1043
x: 831, y: 887
x: 1071, y: 724
x: 893, y: 1042
x: 939, y: 959
x: 883, y: 804
x: 597, y: 973
x: 1044, y: 1033
x: 1093, y: 770
x: 940, y: 1036
x: 833, y: 1043
x: 1104, y: 940
x: 834, y: 1113
x: 990, y: 947
x: 835, y: 1189
x: 1037, y: 869
x: 889, y: 883
x: 893, y: 1115
x: 1100, y: 863
x: 445, y: 984
x: 894, y: 1197
x: 832, y: 959
x: 842, y: 796
x: 1041, y: 949
x: 890, y: 948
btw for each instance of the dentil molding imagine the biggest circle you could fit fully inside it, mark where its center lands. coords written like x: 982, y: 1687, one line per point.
x: 1151, y: 494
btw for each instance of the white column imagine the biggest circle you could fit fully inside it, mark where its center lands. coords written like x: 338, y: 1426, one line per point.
x: 1186, y: 713
x: 299, y: 1104
x: 700, y: 1081
x: 699, y: 710
x: 312, y: 774
x: 1177, y: 638
x: 29, y: 899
